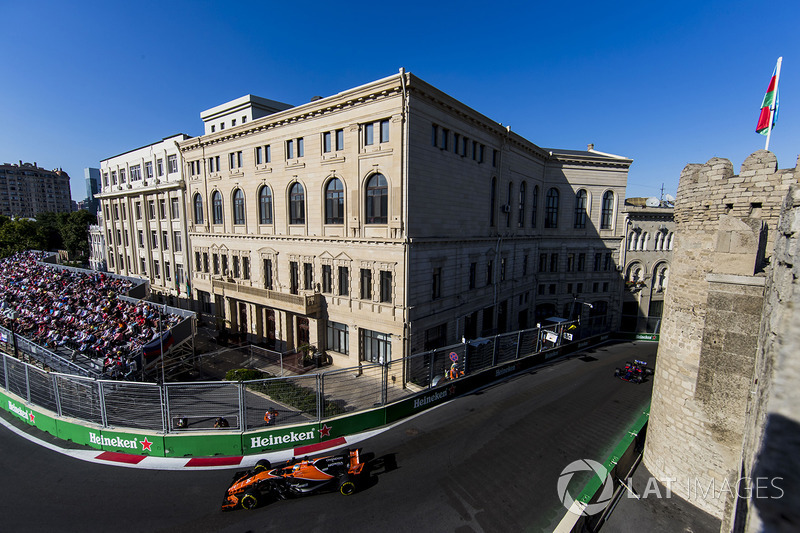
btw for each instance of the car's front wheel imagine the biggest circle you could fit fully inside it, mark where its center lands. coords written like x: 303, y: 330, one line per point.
x: 249, y: 500
x: 261, y: 465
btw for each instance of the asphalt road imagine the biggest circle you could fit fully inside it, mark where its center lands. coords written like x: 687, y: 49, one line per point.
x: 488, y: 461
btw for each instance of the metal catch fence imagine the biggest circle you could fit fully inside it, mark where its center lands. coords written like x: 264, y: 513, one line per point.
x: 289, y: 399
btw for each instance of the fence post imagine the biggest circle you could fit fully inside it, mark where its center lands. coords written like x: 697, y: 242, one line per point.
x: 27, y: 383
x: 242, y: 407
x: 103, y: 414
x: 320, y: 396
x: 519, y: 343
x: 466, y: 358
x: 385, y: 384
x: 495, y: 343
x: 56, y: 393
x: 5, y: 369
x: 430, y: 368
x: 162, y: 391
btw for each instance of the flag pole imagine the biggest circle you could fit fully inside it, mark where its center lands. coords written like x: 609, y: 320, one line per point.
x: 774, y: 105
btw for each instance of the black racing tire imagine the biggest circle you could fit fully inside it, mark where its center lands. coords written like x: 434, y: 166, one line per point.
x: 617, y: 372
x: 347, y: 485
x: 249, y: 500
x: 262, y: 465
x: 648, y: 371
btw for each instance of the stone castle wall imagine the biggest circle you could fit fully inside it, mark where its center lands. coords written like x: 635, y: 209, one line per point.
x: 725, y: 229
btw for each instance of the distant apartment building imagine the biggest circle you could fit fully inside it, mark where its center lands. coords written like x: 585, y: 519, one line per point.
x: 646, y: 258
x: 143, y: 216
x: 27, y: 190
x: 391, y: 218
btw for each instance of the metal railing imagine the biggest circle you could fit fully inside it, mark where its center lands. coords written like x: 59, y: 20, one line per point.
x: 313, y: 397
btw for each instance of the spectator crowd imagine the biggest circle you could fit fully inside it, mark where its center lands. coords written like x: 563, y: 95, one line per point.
x: 73, y: 312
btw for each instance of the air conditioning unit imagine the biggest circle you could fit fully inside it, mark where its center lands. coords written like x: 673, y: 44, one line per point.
x: 505, y: 208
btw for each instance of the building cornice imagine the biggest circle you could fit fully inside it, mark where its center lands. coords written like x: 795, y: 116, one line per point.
x: 134, y: 191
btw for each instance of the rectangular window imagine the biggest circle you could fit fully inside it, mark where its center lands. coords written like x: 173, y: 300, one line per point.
x: 490, y: 272
x: 384, y: 131
x: 598, y: 260
x: 136, y: 173
x: 156, y: 269
x: 224, y: 264
x: 198, y: 265
x: 141, y: 239
x: 579, y: 288
x: 176, y: 241
x: 434, y: 136
x: 215, y: 263
x: 175, y: 208
x: 338, y: 338
x: 344, y: 281
x: 268, y: 274
x: 605, y: 286
x: 326, y: 142
x: 369, y: 134
x: 160, y: 167
x: 339, y: 140
x: 595, y: 287
x: 290, y: 149
x: 167, y: 275
x: 259, y: 155
x: 495, y: 155
x: 122, y: 176
x: 581, y: 262
x: 294, y: 277
x: 154, y: 238
x: 377, y: 346
x: 464, y: 147
x: 205, y: 262
x: 327, y: 279
x: 245, y: 267
x: 542, y: 262
x: 138, y: 207
x: 502, y: 269
x: 116, y: 212
x: 113, y: 177
x: 151, y: 204
x: 473, y: 270
x: 474, y: 150
x: 436, y: 283
x: 456, y: 142
x: 551, y: 288
x: 143, y: 266
x: 165, y: 239
x: 267, y: 154
x: 445, y: 138
x: 480, y: 157
x: 179, y: 277
x: 172, y: 161
x: 308, y: 276
x: 366, y: 284
x: 525, y: 265
x: 236, y: 266
x: 570, y: 262
x: 386, y: 286
x: 607, y: 262
x: 162, y: 208
x: 235, y: 160
x: 148, y: 169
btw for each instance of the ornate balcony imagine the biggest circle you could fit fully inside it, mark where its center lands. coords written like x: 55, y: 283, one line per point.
x: 307, y: 303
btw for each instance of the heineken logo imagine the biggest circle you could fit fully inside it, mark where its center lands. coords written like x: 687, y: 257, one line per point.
x: 119, y: 442
x: 425, y: 400
x: 277, y: 440
x: 24, y: 414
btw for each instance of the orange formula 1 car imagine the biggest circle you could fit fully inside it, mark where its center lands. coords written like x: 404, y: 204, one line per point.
x: 297, y: 477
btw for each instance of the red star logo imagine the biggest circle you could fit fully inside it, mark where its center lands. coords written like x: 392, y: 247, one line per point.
x: 32, y: 417
x: 452, y: 390
x: 146, y: 445
x: 325, y: 431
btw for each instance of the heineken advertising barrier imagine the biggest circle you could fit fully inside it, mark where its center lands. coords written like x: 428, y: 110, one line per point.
x: 225, y: 442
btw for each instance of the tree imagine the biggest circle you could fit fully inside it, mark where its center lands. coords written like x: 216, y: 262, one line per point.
x: 74, y: 229
x: 18, y: 236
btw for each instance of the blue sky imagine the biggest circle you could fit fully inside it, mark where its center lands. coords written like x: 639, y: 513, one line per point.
x: 663, y: 83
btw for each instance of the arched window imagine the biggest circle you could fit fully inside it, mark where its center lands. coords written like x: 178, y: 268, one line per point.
x: 661, y: 278
x: 669, y: 241
x: 508, y: 203
x: 607, y: 211
x: 632, y: 241
x: 377, y: 200
x: 264, y: 205
x: 492, y: 200
x: 238, y: 207
x: 334, y: 202
x: 534, y: 205
x: 216, y: 203
x: 646, y: 242
x: 297, y: 204
x: 580, y: 209
x: 198, y: 209
x: 521, y: 220
x: 551, y: 209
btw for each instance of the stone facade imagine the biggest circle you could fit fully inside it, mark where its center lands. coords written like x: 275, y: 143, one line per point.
x: 726, y: 226
x: 391, y: 218
x: 143, y: 216
x: 646, y: 256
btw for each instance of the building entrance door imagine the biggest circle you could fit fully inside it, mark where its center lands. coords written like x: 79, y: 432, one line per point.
x: 242, y: 320
x: 271, y: 328
x: 302, y: 331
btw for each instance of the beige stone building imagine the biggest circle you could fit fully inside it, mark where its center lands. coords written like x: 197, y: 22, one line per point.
x: 392, y: 218
x: 143, y: 216
x: 646, y: 256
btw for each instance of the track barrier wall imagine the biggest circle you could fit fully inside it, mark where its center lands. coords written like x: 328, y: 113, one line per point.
x: 177, y: 419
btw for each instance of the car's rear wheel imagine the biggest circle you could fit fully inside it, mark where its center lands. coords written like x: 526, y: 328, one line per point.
x: 249, y: 500
x: 263, y: 464
x: 347, y: 485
